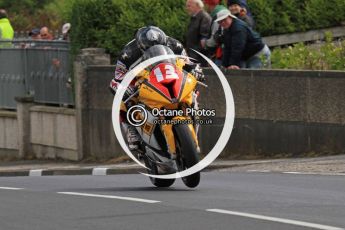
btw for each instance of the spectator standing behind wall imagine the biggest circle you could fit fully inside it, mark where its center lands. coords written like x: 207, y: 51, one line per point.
x: 66, y: 28
x: 245, y: 5
x: 45, y: 35
x: 243, y: 47
x: 6, y: 30
x: 213, y: 47
x: 239, y: 9
x: 198, y: 29
x: 34, y: 34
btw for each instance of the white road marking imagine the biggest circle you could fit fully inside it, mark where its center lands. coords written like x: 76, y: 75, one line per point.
x: 275, y: 219
x: 111, y: 197
x: 259, y: 171
x: 99, y: 171
x: 298, y: 173
x: 10, y: 188
x: 315, y: 173
x: 302, y: 173
x: 35, y: 172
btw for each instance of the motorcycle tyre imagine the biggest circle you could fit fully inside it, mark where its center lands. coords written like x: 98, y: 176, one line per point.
x: 158, y: 182
x: 186, y: 148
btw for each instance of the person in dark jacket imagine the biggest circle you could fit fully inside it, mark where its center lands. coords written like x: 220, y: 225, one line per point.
x: 198, y: 29
x: 238, y: 8
x: 243, y: 47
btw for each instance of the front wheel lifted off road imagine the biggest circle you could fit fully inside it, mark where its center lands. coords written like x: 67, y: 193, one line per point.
x: 187, y: 153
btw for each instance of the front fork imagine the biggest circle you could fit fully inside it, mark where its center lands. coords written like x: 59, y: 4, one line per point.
x: 167, y: 130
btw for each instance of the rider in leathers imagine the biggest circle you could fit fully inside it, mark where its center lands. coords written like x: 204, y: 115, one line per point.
x: 131, y: 56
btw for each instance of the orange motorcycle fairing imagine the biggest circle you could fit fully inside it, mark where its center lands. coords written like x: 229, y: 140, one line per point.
x: 151, y: 97
x: 154, y: 98
x: 166, y: 86
x: 188, y: 89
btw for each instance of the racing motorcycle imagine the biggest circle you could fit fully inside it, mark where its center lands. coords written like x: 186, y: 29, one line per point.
x: 169, y: 140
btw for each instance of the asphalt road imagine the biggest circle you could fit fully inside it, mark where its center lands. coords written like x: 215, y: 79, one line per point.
x: 223, y: 200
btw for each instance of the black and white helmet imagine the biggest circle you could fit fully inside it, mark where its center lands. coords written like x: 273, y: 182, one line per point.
x: 150, y: 36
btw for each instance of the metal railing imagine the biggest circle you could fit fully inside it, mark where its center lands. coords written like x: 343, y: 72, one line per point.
x: 38, y: 68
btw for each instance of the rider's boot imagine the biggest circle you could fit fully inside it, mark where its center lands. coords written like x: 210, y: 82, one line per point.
x: 133, y: 137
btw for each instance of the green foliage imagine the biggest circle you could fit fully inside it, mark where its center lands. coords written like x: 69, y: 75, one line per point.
x: 59, y: 11
x: 284, y: 16
x: 23, y: 5
x: 271, y: 16
x: 28, y: 14
x: 112, y: 24
x: 328, y: 56
x: 265, y: 19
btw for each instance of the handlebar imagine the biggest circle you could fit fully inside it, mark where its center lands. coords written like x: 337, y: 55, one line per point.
x: 202, y: 84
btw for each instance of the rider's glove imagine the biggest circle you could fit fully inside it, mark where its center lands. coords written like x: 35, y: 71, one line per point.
x: 197, y: 72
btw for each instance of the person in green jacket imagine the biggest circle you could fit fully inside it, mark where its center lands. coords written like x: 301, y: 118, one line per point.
x: 6, y: 30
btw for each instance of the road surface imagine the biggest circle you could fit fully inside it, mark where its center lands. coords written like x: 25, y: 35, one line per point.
x: 223, y: 200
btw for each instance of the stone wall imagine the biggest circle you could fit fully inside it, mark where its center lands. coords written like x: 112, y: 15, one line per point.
x: 281, y: 112
x: 53, y: 132
x: 277, y: 112
x: 8, y: 133
x: 38, y: 131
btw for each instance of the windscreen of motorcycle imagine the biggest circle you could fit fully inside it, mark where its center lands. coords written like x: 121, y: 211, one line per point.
x: 158, y: 50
